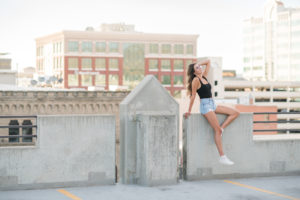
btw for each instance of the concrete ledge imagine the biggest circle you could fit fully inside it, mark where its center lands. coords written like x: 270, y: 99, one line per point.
x: 269, y: 156
x: 237, y: 175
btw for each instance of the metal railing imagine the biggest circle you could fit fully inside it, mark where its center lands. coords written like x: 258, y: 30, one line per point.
x: 27, y: 129
x: 274, y: 122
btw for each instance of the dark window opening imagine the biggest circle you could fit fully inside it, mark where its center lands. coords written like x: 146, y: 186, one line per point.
x: 13, y: 131
x: 27, y: 131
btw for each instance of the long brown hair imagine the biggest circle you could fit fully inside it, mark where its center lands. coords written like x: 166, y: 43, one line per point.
x: 191, y: 75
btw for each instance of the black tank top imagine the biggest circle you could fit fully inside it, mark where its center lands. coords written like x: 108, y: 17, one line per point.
x: 205, y: 90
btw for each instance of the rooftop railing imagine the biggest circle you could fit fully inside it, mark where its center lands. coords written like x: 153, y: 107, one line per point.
x: 272, y: 123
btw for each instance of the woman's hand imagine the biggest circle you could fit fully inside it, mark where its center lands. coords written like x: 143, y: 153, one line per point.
x: 186, y: 115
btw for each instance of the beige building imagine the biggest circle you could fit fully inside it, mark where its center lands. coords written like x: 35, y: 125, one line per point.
x: 272, y: 44
x: 7, y: 75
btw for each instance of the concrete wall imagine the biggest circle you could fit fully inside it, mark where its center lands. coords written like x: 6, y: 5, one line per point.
x: 61, y: 102
x: 156, y: 150
x: 70, y: 151
x: 251, y: 157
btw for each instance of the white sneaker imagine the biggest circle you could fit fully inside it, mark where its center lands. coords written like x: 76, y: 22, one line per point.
x: 225, y: 161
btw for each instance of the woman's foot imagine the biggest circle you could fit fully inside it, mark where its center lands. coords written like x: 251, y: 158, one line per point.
x: 225, y: 161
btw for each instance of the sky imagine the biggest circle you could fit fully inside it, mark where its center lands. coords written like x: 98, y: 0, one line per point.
x: 218, y: 23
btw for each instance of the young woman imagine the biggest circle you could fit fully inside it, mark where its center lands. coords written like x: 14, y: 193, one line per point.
x: 198, y: 83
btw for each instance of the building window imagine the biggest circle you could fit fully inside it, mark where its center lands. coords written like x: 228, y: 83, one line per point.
x: 113, y: 47
x: 166, y: 48
x: 60, y: 62
x: 54, y: 62
x: 262, y: 100
x: 178, y: 48
x: 178, y: 80
x: 86, y: 63
x: 100, y: 47
x: 188, y: 62
x: 13, y: 131
x: 216, y: 94
x: 189, y: 49
x: 178, y: 65
x: 246, y: 69
x: 166, y: 80
x: 100, y: 63
x: 100, y: 80
x: 216, y: 82
x: 113, y: 64
x: 153, y: 48
x: 166, y: 65
x: 113, y: 79
x: 280, y: 100
x: 247, y: 59
x: 73, y: 63
x: 60, y: 47
x: 86, y: 46
x: 27, y: 131
x: 257, y: 67
x: 73, y: 46
x: 73, y: 80
x: 153, y: 64
x: 86, y: 80
x: 133, y: 64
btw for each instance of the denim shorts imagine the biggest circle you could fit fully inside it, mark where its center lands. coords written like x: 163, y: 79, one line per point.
x: 207, y: 105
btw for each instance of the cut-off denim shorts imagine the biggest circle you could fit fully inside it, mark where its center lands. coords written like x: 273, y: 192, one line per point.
x: 207, y: 105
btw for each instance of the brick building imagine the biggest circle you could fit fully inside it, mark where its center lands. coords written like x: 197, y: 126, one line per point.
x: 116, y: 56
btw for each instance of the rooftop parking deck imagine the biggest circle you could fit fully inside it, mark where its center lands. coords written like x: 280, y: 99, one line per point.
x: 264, y: 188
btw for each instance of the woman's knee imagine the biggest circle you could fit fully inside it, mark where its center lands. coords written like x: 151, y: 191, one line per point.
x: 236, y: 113
x: 218, y: 130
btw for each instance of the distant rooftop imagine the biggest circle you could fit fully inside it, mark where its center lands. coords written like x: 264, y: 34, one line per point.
x: 5, y: 87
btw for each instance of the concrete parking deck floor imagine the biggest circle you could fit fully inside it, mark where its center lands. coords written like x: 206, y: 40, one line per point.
x: 266, y: 188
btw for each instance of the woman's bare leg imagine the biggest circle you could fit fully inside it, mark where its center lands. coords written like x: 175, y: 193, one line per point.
x: 213, y: 121
x: 231, y: 112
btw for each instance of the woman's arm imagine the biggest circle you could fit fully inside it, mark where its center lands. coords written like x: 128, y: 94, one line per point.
x: 207, y: 63
x: 195, y: 86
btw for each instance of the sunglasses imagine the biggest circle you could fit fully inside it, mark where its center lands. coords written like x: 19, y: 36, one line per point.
x: 198, y: 67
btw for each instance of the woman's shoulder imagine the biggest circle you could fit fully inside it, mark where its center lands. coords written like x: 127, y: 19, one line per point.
x: 196, y: 80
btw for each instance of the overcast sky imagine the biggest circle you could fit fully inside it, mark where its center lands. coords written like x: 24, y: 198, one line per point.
x: 217, y: 22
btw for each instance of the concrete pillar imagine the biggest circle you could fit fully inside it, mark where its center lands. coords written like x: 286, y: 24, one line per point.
x: 149, y: 116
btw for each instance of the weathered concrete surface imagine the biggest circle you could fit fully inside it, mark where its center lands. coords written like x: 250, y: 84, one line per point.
x: 251, y: 157
x: 70, y: 151
x: 149, y: 97
x: 287, y: 186
x: 156, y: 150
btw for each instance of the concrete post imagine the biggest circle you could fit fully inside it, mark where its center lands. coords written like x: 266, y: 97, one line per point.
x: 149, y: 100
